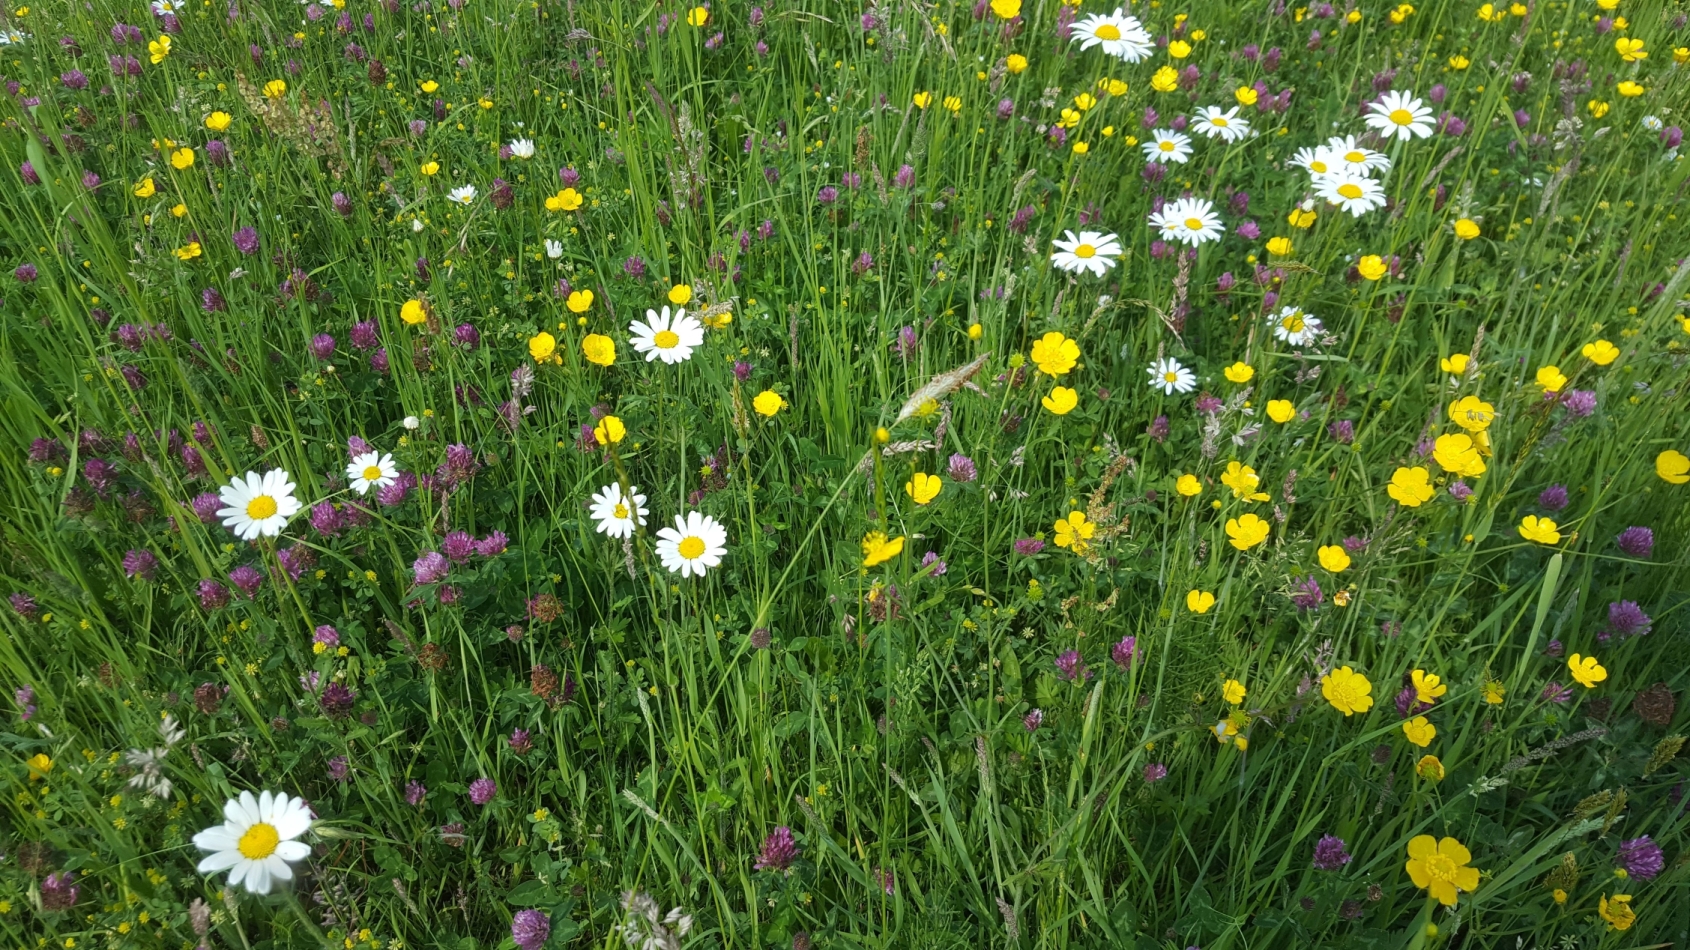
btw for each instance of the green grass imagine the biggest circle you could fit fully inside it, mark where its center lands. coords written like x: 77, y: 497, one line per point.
x: 890, y: 739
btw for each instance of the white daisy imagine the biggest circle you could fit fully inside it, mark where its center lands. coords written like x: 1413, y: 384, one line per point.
x: 1120, y: 35
x: 1165, y: 146
x: 1228, y: 126
x: 668, y: 339
x: 1170, y: 377
x: 1352, y: 191
x: 1652, y: 123
x: 554, y: 250
x: 694, y: 545
x: 1189, y: 221
x: 256, y: 842
x: 371, y: 470
x: 522, y: 148
x: 463, y: 195
x: 12, y: 37
x: 161, y: 7
x: 1093, y: 251
x: 1401, y: 115
x: 258, y: 504
x: 1353, y: 157
x: 1294, y: 326
x: 618, y: 513
x: 1316, y: 161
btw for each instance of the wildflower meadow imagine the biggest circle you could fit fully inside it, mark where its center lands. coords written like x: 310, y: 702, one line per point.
x: 805, y: 474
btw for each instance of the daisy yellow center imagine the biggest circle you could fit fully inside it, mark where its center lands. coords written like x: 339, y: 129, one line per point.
x: 1108, y: 31
x: 259, y: 842
x: 372, y: 473
x: 691, y: 547
x: 1441, y: 868
x: 1170, y: 377
x: 260, y: 508
x: 1356, y: 157
x: 1293, y: 323
x: 666, y: 339
x: 1401, y: 116
x: 621, y: 510
x: 1317, y: 166
x: 1194, y: 224
x: 1166, y: 145
x: 1350, y: 190
x: 1219, y: 120
x: 1085, y: 250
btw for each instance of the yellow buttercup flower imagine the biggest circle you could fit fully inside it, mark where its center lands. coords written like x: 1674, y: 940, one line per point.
x: 923, y: 488
x: 1630, y: 89
x: 1179, y: 49
x: 1372, y: 266
x: 878, y: 549
x: 1458, y: 455
x: 566, y: 200
x: 430, y: 168
x: 1673, y: 467
x: 159, y: 49
x: 1199, y: 601
x: 1074, y: 531
x: 1233, y: 692
x: 428, y: 85
x: 542, y: 346
x: 1420, y: 731
x: 1188, y: 485
x: 1429, y: 768
x: 1410, y: 487
x: 1586, y: 670
x: 39, y: 765
x: 182, y: 159
x: 1006, y: 9
x: 769, y: 402
x: 1281, y: 410
x: 1245, y: 95
x: 146, y: 189
x: 1301, y: 217
x: 1334, y: 558
x: 188, y: 251
x: 1279, y: 246
x: 1349, y: 692
x: 413, y: 312
x: 275, y: 89
x: 922, y: 100
x: 680, y: 294
x: 1494, y: 692
x: 1427, y: 686
x: 1597, y: 108
x: 1550, y: 379
x: 1440, y: 867
x: 1165, y: 79
x: 1055, y: 354
x: 698, y: 16
x: 1472, y: 413
x: 217, y: 121
x: 598, y: 349
x: 1240, y: 372
x: 1541, y: 530
x: 1601, y: 352
x: 1466, y: 229
x: 1246, y: 531
x: 1617, y: 911
x: 1456, y: 363
x: 580, y: 301
x: 1061, y: 400
x: 1015, y: 63
x: 1458, y: 63
x: 610, y: 431
x: 952, y: 104
x: 1242, y: 479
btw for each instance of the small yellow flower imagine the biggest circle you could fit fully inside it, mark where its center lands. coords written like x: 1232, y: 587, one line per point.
x: 542, y: 346
x: 430, y: 168
x: 1550, y: 379
x: 922, y: 100
x: 188, y: 251
x: 1015, y: 63
x: 146, y: 189
x: 680, y: 294
x: 428, y: 85
x: 1334, y: 558
x: 1458, y: 455
x: 1601, y: 352
x: 1597, y: 108
x: 1179, y: 49
x: 1081, y: 148
x: 1279, y: 246
x: 1199, y: 601
x: 1427, y: 686
x: 1281, y: 410
x: 566, y: 200
x: 1420, y: 731
x: 598, y: 349
x: 182, y: 159
x: 1472, y: 413
x: 1301, y: 217
x: 1349, y: 692
x: 1456, y: 363
x: 1429, y: 768
x: 1458, y: 63
x: 414, y: 312
x: 1233, y: 692
x: 1061, y: 400
x: 1055, y: 354
x: 768, y: 402
x: 1074, y: 531
x: 1246, y: 531
x: 159, y: 49
x: 1494, y: 692
x: 217, y: 121
x: 1541, y: 530
x: 610, y: 431
x: 952, y: 104
x: 1243, y: 480
x: 1188, y: 485
x: 1630, y: 49
x: 1586, y: 670
x: 1617, y: 911
x: 1240, y: 372
x: 698, y: 16
x: 1245, y: 95
x: 975, y: 331
x: 1116, y: 88
x: 1673, y: 467
x: 179, y: 210
x: 1466, y: 229
x: 878, y: 549
x: 1372, y: 267
x: 275, y: 89
x: 39, y: 765
x: 922, y: 487
x: 1441, y: 868
x: 1006, y: 9
x: 1165, y: 79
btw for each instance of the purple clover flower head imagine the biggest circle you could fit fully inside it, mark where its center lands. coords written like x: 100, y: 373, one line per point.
x: 140, y: 562
x: 248, y: 578
x: 1553, y: 498
x: 1641, y: 858
x: 415, y: 792
x: 1579, y: 403
x: 827, y: 195
x: 1626, y: 619
x: 459, y: 546
x: 779, y: 852
x: 340, y: 770
x: 938, y: 563
x: 246, y: 240
x: 1069, y: 666
x: 1329, y: 853
x: 483, y: 790
x: 1209, y: 404
x: 326, y: 635
x: 337, y: 700
x: 1155, y: 772
x: 431, y: 568
x: 1408, y: 703
x: 1307, y: 595
x: 466, y: 336
x: 326, y: 519
x: 568, y: 177
x: 1636, y: 541
x: 1249, y: 230
x: 493, y: 545
x: 1033, y: 720
x: 1343, y: 430
x: 1672, y: 136
x: 365, y: 335
x: 521, y: 741
x: 212, y: 594
x: 1158, y: 429
x: 322, y: 346
x: 342, y: 204
x: 530, y: 928
x: 211, y: 300
x: 217, y: 153
x: 205, y: 506
x: 59, y: 891
x: 379, y: 363
x: 26, y: 273
x: 30, y: 175
x: 1460, y: 490
x: 962, y: 468
x: 24, y: 696
x: 1125, y: 653
x: 1006, y: 109
x: 24, y: 605
x: 904, y: 177
x: 42, y: 451
x: 1556, y: 693
x: 1027, y: 547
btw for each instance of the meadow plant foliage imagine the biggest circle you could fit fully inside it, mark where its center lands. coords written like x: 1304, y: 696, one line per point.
x: 798, y: 474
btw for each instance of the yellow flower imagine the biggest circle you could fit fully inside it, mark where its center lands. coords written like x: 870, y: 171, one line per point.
x: 1427, y: 686
x: 217, y: 121
x: 1349, y: 692
x: 1061, y: 400
x: 1601, y: 352
x: 878, y: 549
x: 1550, y: 379
x: 1466, y: 229
x: 1673, y: 467
x: 1074, y: 531
x: 1441, y: 868
x: 1081, y: 148
x: 1420, y: 731
x: 680, y: 294
x: 1629, y: 89
x: 39, y: 765
x: 580, y: 301
x: 599, y: 349
x: 1166, y: 79
x: 1301, y: 217
x: 922, y: 100
x: 953, y: 104
x: 1246, y: 531
x: 413, y: 312
x: 1372, y: 266
x: 1630, y: 50
x: 976, y: 331
x: 1617, y: 912
x: 1233, y: 692
x: 1429, y: 768
x: 1494, y: 692
x: 1681, y: 55
x: 1116, y: 88
x: 768, y: 402
x: 428, y: 85
x: 1597, y: 108
x: 1016, y: 63
x: 566, y: 200
x: 1541, y: 530
x: 1055, y: 354
x: 610, y: 431
x: 182, y: 159
x: 188, y: 251
x: 1242, y: 479
x: 275, y: 89
x: 542, y: 346
x: 1246, y: 95
x: 1456, y: 364
x: 1240, y: 372
x: 1006, y: 9
x: 922, y: 488
x: 1457, y: 454
x: 430, y: 168
x: 179, y: 210
x: 159, y: 48
x: 1279, y: 246
x: 146, y: 189
x: 1334, y: 558
x: 1281, y: 410
x: 1179, y: 49
x: 1188, y: 485
x: 1199, y: 601
x: 1586, y: 670
x: 1459, y: 63
x: 1472, y: 413
x: 698, y: 16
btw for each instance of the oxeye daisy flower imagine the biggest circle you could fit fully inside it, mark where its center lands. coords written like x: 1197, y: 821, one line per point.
x: 1294, y: 326
x: 693, y: 546
x: 522, y: 148
x: 1351, y: 191
x: 258, y: 504
x: 1189, y: 221
x: 1170, y: 377
x: 1093, y: 251
x: 463, y: 195
x: 1165, y: 146
x: 371, y: 470
x: 255, y: 843
x: 1120, y: 35
x: 670, y: 339
x: 1353, y: 157
x: 1228, y: 126
x: 616, y: 512
x: 1401, y: 115
x: 1316, y: 161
